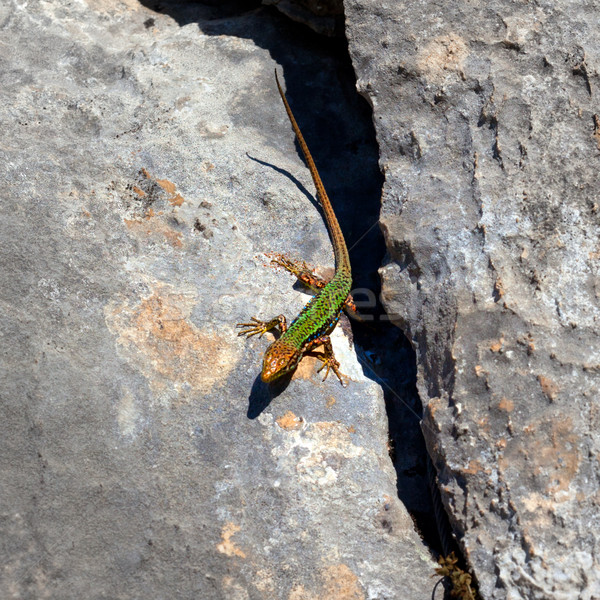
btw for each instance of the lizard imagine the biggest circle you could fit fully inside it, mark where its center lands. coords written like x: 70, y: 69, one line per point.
x: 311, y: 328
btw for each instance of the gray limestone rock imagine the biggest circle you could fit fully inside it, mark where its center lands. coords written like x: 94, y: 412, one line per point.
x: 147, y: 164
x: 488, y: 123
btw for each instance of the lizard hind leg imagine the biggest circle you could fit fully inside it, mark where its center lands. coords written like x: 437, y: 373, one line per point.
x: 256, y: 327
x: 327, y: 357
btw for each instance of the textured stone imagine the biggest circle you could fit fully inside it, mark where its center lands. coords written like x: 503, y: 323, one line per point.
x: 147, y: 163
x: 487, y: 120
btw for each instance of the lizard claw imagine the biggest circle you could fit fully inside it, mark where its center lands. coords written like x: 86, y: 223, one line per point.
x: 300, y: 270
x: 281, y: 260
x: 331, y: 364
x: 259, y: 328
x: 256, y: 327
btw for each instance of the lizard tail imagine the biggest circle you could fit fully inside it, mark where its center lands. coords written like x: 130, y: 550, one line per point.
x: 342, y: 259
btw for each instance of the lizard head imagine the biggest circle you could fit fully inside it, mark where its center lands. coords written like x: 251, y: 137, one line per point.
x: 280, y: 358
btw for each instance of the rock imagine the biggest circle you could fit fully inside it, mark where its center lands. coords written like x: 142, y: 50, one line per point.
x: 147, y: 166
x: 487, y: 121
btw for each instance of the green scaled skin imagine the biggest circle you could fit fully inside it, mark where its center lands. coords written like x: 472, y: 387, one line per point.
x: 311, y: 328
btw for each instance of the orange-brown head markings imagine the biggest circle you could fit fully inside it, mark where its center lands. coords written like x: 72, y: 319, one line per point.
x: 279, y: 359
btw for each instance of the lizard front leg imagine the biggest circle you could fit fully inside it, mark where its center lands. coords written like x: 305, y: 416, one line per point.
x: 326, y: 357
x: 300, y: 270
x: 312, y: 281
x: 261, y: 327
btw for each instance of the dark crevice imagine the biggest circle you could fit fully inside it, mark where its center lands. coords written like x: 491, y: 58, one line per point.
x: 496, y: 152
x: 388, y: 358
x: 510, y: 45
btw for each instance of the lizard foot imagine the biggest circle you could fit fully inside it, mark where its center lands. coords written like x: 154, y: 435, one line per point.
x: 299, y: 269
x: 326, y: 357
x: 256, y: 327
x: 331, y: 364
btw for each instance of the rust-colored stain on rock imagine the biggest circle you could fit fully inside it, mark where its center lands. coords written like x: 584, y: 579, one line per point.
x: 156, y: 335
x: 145, y: 226
x: 430, y: 418
x: 549, y: 387
x: 228, y: 546
x: 497, y: 346
x: 289, y: 421
x: 176, y: 200
x: 149, y: 227
x: 499, y: 287
x: 442, y: 55
x: 541, y: 509
x: 154, y: 229
x: 338, y: 583
x: 559, y: 460
x: 167, y: 185
x: 475, y: 467
x: 552, y: 457
x: 326, y: 425
x: 170, y: 188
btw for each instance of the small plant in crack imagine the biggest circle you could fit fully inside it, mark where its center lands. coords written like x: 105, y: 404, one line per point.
x: 461, y: 581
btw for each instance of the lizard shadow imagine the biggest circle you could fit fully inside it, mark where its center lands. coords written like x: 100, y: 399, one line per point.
x: 295, y: 181
x: 263, y: 393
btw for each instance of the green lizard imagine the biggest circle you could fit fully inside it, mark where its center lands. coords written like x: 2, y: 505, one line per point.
x: 311, y: 328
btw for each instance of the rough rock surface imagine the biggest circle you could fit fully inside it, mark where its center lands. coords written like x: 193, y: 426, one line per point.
x: 146, y: 165
x: 488, y: 121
